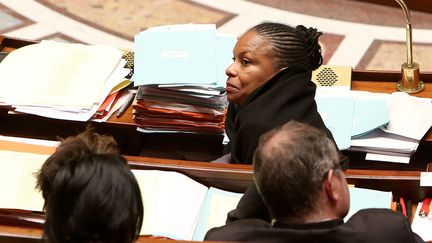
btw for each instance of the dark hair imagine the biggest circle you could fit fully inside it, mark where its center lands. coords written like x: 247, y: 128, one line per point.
x: 94, y: 198
x: 87, y: 142
x: 90, y: 193
x: 293, y: 46
x: 290, y: 163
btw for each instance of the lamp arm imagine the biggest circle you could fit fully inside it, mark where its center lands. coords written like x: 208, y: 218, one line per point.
x: 408, y: 32
x: 405, y: 10
x: 410, y: 81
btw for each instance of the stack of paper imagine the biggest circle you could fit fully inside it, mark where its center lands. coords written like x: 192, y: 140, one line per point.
x: 181, y: 73
x: 18, y: 180
x: 410, y: 119
x: 180, y: 208
x: 182, y: 54
x: 171, y: 203
x: 348, y: 114
x: 60, y: 80
x: 388, y: 127
x: 378, y: 141
x: 181, y: 109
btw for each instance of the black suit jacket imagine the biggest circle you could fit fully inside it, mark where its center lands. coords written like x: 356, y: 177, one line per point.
x: 366, y: 226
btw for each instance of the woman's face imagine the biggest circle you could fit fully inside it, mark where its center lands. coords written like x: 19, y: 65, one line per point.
x: 254, y: 64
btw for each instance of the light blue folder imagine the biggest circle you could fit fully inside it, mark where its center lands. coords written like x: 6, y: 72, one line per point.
x: 369, y: 114
x: 337, y: 113
x: 361, y: 198
x: 182, y: 55
x: 218, y: 202
x: 168, y: 56
x: 224, y: 46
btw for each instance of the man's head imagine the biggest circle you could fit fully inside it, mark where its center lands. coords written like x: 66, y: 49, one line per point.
x: 68, y: 150
x: 90, y: 193
x: 297, y: 172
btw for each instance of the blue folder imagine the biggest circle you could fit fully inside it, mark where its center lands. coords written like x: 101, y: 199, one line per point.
x: 368, y: 115
x: 337, y: 113
x: 183, y: 54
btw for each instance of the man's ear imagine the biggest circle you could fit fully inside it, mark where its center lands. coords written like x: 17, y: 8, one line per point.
x: 331, y: 187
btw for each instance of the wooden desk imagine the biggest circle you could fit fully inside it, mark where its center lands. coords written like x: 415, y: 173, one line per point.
x: 401, y: 180
x: 195, y: 147
x: 26, y: 232
x: 20, y: 234
x: 179, y: 146
x: 237, y: 177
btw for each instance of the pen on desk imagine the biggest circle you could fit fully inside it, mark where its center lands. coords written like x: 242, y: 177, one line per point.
x: 403, y: 206
x: 126, y: 104
x: 430, y: 209
x: 409, y: 209
x: 424, y: 211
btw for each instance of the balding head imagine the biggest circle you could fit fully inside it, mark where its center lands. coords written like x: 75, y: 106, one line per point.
x: 290, y: 163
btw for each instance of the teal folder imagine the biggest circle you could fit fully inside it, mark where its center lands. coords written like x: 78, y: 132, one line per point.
x: 361, y: 198
x: 337, y: 113
x: 182, y: 54
x: 214, y: 211
x: 369, y: 114
x: 224, y: 46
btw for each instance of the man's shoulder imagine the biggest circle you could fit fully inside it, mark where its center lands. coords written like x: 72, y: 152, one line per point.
x: 239, y: 230
x: 377, y: 215
x: 369, y: 225
x: 381, y: 225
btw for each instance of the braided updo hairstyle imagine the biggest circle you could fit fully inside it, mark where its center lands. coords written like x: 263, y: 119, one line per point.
x: 293, y: 46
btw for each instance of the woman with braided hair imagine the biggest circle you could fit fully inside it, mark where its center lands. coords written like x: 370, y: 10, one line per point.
x: 269, y: 83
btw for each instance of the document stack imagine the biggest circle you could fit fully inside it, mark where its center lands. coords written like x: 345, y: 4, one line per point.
x: 197, y: 208
x: 388, y: 127
x: 410, y: 119
x: 348, y: 114
x: 180, y: 71
x: 61, y: 80
x: 182, y: 109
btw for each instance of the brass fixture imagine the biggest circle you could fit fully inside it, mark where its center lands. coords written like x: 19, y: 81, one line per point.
x: 410, y: 80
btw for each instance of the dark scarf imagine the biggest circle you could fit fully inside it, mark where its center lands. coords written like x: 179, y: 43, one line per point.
x: 289, y: 95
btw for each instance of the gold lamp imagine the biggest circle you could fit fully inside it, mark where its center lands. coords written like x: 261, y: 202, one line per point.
x: 410, y: 80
